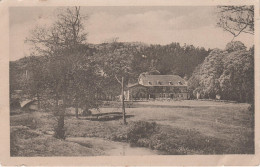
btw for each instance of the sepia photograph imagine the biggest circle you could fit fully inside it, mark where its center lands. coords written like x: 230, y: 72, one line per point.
x: 91, y: 81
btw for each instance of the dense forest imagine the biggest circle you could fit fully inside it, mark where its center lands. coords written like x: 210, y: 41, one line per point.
x: 228, y: 72
x: 110, y: 59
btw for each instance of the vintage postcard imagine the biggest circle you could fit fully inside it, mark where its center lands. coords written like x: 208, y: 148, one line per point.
x: 129, y: 82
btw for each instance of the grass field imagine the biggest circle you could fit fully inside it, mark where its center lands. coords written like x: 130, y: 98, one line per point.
x: 182, y: 127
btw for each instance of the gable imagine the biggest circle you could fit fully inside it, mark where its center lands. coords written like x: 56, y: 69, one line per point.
x: 135, y: 86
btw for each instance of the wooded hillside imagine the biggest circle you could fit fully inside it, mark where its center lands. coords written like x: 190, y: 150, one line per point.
x: 111, y: 58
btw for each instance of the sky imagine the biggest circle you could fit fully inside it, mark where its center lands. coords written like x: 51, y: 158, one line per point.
x: 152, y: 25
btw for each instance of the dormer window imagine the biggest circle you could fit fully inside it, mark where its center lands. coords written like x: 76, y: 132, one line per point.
x: 170, y: 83
x: 149, y: 82
x: 179, y: 82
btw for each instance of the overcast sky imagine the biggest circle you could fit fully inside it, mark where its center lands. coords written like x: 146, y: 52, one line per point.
x: 152, y: 25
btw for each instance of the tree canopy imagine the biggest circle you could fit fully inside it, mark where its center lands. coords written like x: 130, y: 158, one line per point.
x: 229, y: 73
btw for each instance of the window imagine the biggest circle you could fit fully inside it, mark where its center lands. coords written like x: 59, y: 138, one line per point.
x: 183, y: 90
x: 158, y: 82
x: 164, y: 89
x: 168, y: 89
x: 179, y: 82
x: 149, y: 82
x: 170, y: 83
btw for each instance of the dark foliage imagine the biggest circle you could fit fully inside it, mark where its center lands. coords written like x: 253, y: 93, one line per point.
x: 141, y: 129
x: 178, y: 141
x: 228, y: 73
x: 59, y: 130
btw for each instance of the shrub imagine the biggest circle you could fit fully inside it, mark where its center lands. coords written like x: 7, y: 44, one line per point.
x: 18, y: 134
x: 15, y: 104
x: 14, y: 148
x: 28, y: 120
x: 48, y: 104
x: 141, y: 130
x: 175, y: 141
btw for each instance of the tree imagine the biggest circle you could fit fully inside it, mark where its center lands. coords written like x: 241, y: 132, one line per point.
x: 62, y: 43
x: 115, y: 60
x: 235, y: 46
x: 237, y: 79
x: 28, y: 74
x: 66, y: 32
x: 229, y: 73
x: 84, y: 78
x: 170, y: 59
x: 236, y: 19
x: 35, y: 79
x: 16, y: 76
x: 194, y: 86
x: 210, y: 71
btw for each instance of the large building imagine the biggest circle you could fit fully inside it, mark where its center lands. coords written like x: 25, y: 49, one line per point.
x: 157, y: 87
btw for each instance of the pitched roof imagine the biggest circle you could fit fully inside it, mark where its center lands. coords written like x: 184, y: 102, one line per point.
x: 162, y: 80
x: 133, y: 85
x: 130, y: 86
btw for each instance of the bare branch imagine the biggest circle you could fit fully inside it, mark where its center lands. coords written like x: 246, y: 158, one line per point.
x: 236, y: 19
x: 118, y: 80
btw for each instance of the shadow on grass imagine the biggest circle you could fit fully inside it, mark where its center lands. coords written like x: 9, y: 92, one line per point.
x: 105, y: 116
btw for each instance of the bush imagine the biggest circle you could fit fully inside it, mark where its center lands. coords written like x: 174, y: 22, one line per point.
x: 14, y: 148
x: 28, y: 120
x: 48, y: 105
x: 18, y: 134
x: 15, y: 104
x: 141, y: 130
x: 173, y: 141
x: 182, y: 142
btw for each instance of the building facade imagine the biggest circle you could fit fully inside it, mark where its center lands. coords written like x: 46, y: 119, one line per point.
x: 157, y: 87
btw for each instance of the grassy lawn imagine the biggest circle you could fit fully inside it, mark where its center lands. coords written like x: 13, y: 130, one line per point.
x: 182, y: 127
x: 32, y: 144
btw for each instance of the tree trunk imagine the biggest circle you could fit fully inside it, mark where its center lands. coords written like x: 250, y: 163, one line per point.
x: 60, y: 131
x: 38, y: 100
x: 77, y: 111
x: 123, y: 102
x: 56, y: 102
x: 86, y: 111
x: 241, y: 96
x: 77, y: 108
x: 60, y: 114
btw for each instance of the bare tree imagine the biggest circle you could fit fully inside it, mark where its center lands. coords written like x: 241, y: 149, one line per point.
x: 66, y: 32
x: 236, y: 19
x: 58, y: 42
